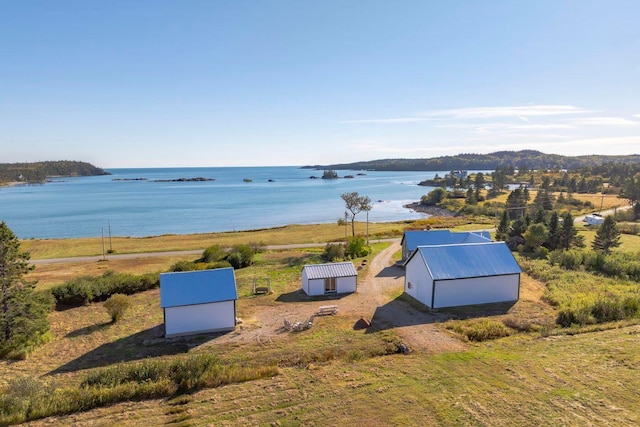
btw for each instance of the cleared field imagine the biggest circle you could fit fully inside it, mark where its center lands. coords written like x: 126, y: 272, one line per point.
x: 588, y: 379
x: 337, y: 373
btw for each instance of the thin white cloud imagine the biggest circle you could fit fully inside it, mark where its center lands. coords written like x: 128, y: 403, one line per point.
x: 605, y: 121
x: 381, y: 148
x: 636, y: 116
x: 394, y: 120
x: 508, y: 111
x: 626, y: 141
x: 506, y: 126
x: 518, y: 112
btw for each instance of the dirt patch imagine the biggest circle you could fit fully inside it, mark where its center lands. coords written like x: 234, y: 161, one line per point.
x: 374, y: 302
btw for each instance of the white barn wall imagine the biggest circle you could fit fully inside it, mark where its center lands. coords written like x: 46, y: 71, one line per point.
x: 315, y: 287
x: 305, y: 282
x: 346, y: 284
x: 421, y: 282
x: 188, y: 319
x: 480, y: 290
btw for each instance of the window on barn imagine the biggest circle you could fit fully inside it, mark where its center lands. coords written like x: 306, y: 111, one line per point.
x: 329, y: 285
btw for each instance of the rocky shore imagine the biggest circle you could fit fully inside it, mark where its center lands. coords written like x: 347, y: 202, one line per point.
x: 429, y: 210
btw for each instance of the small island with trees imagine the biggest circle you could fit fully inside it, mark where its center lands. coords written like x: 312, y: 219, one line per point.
x: 39, y: 172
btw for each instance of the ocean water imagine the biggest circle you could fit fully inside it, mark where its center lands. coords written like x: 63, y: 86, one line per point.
x: 88, y: 206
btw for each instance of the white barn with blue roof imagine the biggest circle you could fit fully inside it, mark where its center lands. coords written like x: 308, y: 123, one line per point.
x: 198, y: 301
x: 332, y: 278
x: 413, y: 238
x: 462, y: 274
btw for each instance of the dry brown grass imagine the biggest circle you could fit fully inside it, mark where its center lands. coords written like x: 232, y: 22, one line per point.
x: 609, y: 201
x: 577, y: 380
x: 291, y: 234
x: 48, y: 275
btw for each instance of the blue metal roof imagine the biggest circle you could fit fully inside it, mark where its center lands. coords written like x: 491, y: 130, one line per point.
x: 197, y: 287
x: 468, y: 260
x: 336, y: 269
x: 417, y: 238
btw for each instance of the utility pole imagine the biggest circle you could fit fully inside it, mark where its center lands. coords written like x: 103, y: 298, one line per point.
x: 103, y: 255
x: 367, y: 227
x: 110, y: 245
x: 346, y: 216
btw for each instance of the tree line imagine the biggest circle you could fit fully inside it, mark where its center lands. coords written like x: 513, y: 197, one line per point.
x: 38, y: 172
x: 523, y: 159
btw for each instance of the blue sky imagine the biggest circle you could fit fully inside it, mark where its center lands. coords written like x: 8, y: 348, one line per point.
x: 248, y: 83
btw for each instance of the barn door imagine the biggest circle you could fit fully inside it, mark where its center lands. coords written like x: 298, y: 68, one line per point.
x: 329, y: 285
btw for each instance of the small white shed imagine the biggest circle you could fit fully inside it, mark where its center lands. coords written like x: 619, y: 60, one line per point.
x: 198, y: 301
x: 465, y: 274
x: 332, y: 278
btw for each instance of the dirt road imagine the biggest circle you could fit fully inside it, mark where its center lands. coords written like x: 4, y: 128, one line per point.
x: 374, y: 301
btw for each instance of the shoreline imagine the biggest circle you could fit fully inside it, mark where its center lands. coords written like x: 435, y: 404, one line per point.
x: 12, y: 183
x: 429, y: 210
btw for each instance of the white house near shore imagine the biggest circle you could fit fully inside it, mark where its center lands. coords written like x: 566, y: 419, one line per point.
x: 413, y: 238
x: 332, y: 278
x: 198, y: 301
x: 462, y: 274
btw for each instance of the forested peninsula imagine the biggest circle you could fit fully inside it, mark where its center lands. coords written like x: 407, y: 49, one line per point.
x: 529, y: 159
x: 38, y: 172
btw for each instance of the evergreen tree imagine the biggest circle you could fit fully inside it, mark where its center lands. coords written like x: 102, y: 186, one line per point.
x: 516, y: 203
x: 502, y: 232
x: 553, y: 242
x: 607, y: 236
x: 471, y: 197
x: 568, y: 234
x: 23, y: 312
x: 540, y: 217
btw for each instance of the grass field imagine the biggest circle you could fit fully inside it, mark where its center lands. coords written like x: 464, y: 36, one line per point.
x: 291, y: 234
x: 333, y: 373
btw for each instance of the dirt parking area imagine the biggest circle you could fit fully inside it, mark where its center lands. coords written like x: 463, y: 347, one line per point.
x: 374, y: 301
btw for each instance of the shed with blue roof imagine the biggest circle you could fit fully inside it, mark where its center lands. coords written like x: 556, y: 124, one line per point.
x: 462, y: 274
x: 413, y: 238
x: 198, y: 301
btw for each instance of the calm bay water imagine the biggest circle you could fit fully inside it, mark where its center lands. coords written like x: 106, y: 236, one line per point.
x: 81, y: 207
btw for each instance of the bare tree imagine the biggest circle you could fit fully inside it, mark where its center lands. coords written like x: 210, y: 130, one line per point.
x: 355, y: 204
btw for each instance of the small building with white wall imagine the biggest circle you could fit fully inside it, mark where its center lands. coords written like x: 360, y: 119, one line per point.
x: 464, y: 274
x: 413, y: 238
x: 332, y: 278
x: 198, y: 301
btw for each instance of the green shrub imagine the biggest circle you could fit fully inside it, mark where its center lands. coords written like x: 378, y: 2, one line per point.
x: 481, y: 330
x: 116, y: 305
x: 219, y: 264
x: 241, y: 256
x: 574, y: 316
x: 86, y: 289
x: 607, y: 310
x: 183, y: 266
x: 357, y: 247
x: 333, y: 252
x: 213, y: 253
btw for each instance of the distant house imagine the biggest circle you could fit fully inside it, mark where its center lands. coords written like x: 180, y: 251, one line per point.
x: 459, y: 174
x: 198, y: 301
x: 332, y: 278
x: 462, y: 274
x: 412, y: 239
x: 593, y: 219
